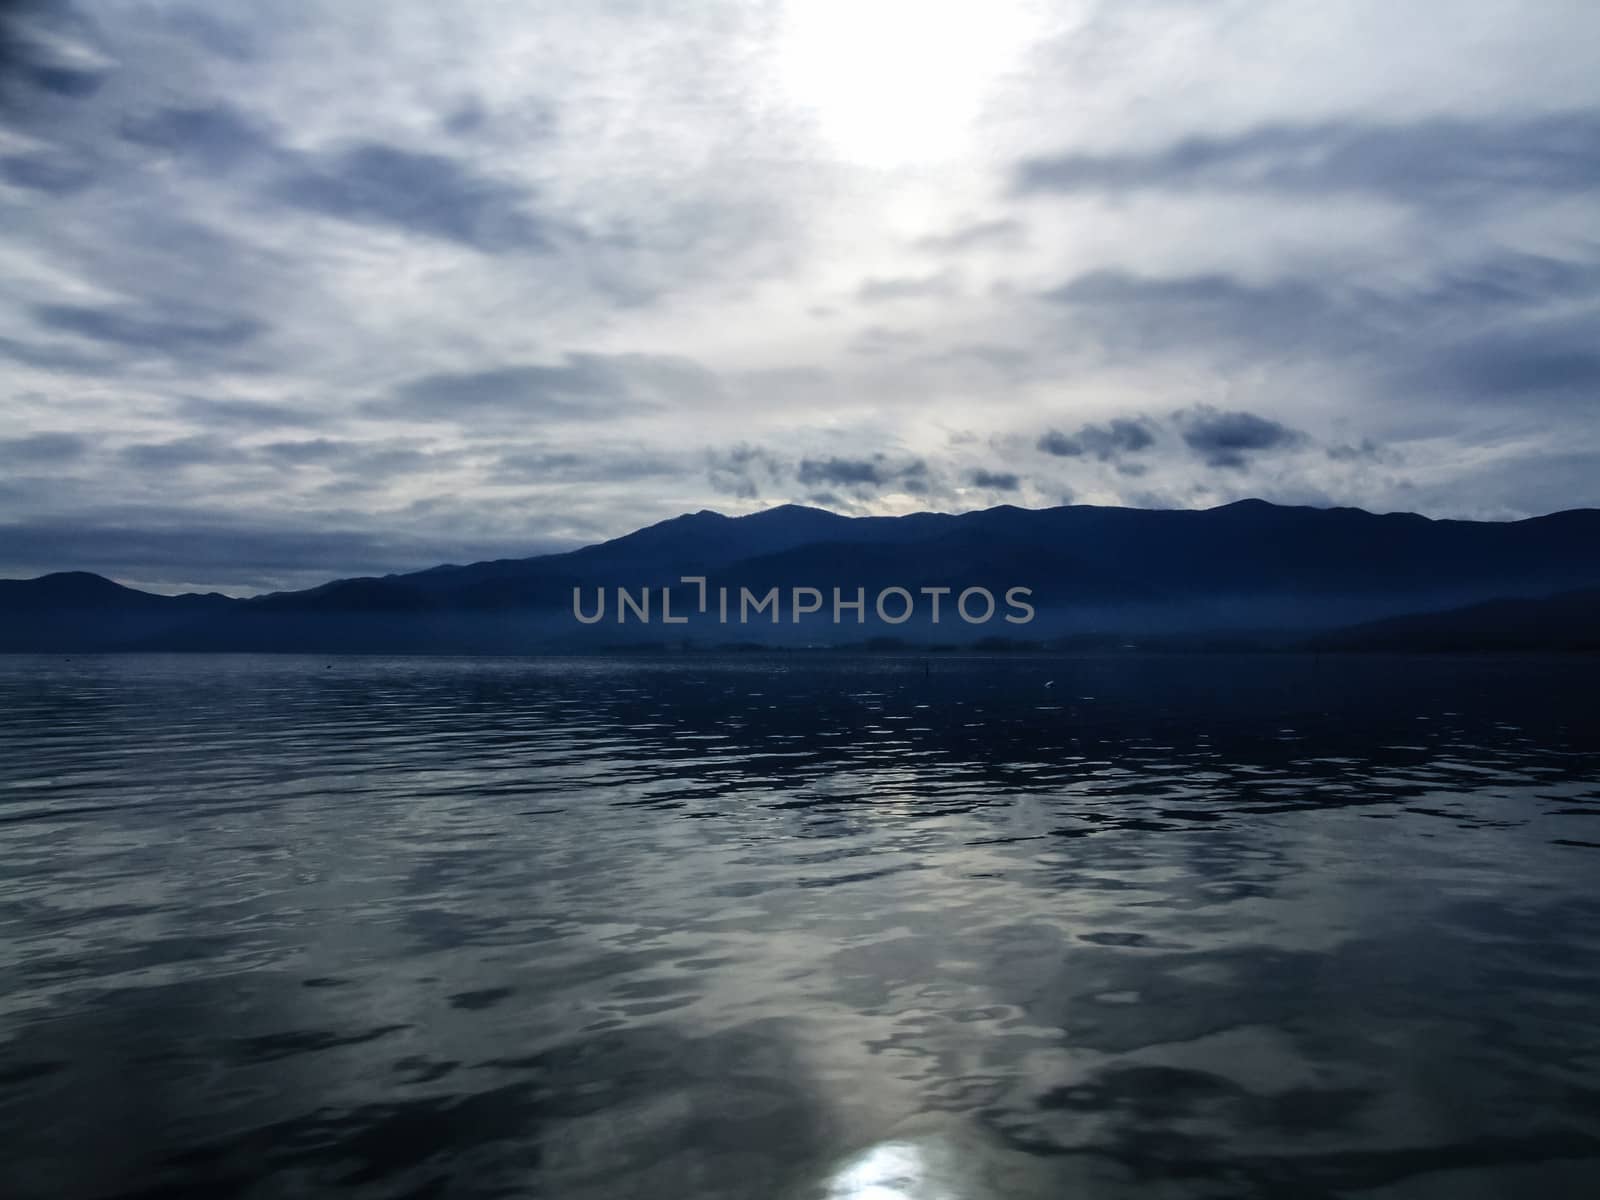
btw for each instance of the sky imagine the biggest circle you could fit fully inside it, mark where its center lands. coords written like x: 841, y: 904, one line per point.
x: 305, y: 290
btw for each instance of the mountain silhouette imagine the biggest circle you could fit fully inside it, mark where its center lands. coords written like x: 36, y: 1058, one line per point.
x: 78, y: 610
x: 1564, y: 622
x: 1282, y: 573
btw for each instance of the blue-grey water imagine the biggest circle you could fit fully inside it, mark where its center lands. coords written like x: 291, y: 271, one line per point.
x: 797, y: 926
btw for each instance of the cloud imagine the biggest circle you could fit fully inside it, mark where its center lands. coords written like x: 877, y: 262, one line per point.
x: 915, y: 479
x: 847, y: 471
x: 1554, y: 360
x: 419, y: 192
x: 43, y: 449
x: 1228, y: 439
x: 309, y: 450
x: 230, y: 39
x: 1434, y: 161
x: 352, y: 465
x: 217, y: 136
x: 864, y: 474
x: 999, y: 481
x: 181, y: 452
x: 1509, y: 280
x: 65, y: 81
x: 1124, y: 435
x: 881, y: 340
x: 1133, y: 314
x: 177, y: 335
x: 1497, y: 327
x: 742, y: 471
x: 1365, y: 450
x: 1002, y: 231
x: 55, y: 174
x: 257, y: 414
x: 49, y: 49
x: 583, y: 386
x: 53, y: 357
x: 877, y: 291
x: 748, y: 471
x: 594, y: 466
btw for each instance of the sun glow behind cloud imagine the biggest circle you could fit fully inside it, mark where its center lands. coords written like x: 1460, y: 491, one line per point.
x: 894, y: 83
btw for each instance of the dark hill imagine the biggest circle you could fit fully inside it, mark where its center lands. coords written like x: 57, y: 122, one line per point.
x: 1569, y: 621
x: 1249, y: 567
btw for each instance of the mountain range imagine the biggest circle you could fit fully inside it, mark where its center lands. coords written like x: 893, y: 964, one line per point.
x: 1334, y: 578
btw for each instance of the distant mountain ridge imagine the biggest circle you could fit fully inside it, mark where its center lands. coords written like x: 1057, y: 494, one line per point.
x: 1248, y: 566
x: 1567, y: 621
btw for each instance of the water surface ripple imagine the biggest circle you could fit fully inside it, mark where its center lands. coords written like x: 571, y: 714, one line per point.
x: 799, y: 926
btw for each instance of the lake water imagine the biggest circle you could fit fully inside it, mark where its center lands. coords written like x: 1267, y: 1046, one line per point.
x: 798, y: 926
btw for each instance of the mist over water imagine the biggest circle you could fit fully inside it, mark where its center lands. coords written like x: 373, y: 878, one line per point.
x: 798, y: 926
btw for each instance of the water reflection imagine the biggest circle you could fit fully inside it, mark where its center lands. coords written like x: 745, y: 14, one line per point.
x: 1172, y: 927
x: 901, y: 1171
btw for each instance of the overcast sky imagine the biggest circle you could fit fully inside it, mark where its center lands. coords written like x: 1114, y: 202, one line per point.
x: 297, y: 290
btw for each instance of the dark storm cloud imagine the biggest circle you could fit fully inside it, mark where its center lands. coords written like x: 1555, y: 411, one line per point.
x: 1000, y: 481
x: 42, y: 449
x: 1107, y: 442
x: 584, y: 385
x: 1441, y: 160
x: 1228, y: 439
x: 429, y: 194
x: 172, y: 335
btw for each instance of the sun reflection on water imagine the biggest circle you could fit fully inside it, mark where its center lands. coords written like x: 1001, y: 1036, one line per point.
x: 901, y: 1170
